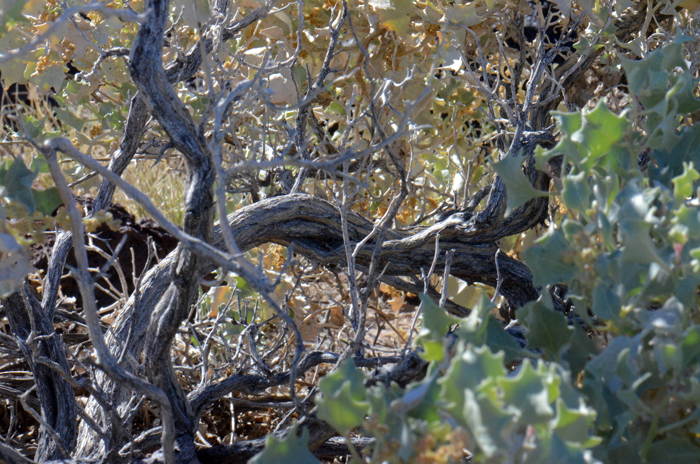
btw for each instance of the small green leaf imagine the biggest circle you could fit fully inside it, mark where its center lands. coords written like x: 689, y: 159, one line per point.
x: 551, y: 259
x: 600, y: 131
x: 46, y: 201
x: 518, y: 187
x: 684, y: 183
x: 471, y: 369
x: 531, y: 391
x: 436, y: 323
x: 574, y: 425
x: 336, y: 108
x: 290, y: 449
x: 17, y: 181
x: 344, y: 403
x: 547, y: 329
x: 575, y: 192
x: 490, y: 424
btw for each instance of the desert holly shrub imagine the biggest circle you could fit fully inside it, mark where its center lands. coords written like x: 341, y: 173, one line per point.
x: 370, y: 231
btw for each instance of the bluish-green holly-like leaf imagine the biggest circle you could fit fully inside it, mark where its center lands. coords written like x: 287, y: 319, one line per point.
x: 471, y: 369
x: 600, y: 131
x: 551, y: 259
x: 638, y: 245
x: 344, y: 403
x: 607, y: 301
x: 518, y: 187
x: 668, y: 160
x: 568, y: 124
x: 664, y: 93
x: 684, y: 183
x: 606, y: 367
x: 686, y: 288
x: 17, y: 180
x: 574, y: 425
x: 481, y: 328
x: 636, y: 216
x: 532, y: 391
x: 576, y: 192
x: 436, y: 323
x: 46, y: 201
x: 489, y: 424
x: 659, y: 283
x: 419, y: 400
x: 689, y: 219
x: 551, y: 449
x: 648, y: 78
x: 290, y: 449
x: 580, y: 350
x: 547, y: 329
x: 637, y: 203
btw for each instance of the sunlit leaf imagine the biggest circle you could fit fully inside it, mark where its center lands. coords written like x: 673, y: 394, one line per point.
x: 601, y: 129
x: 518, y: 187
x: 471, y: 369
x: 532, y: 392
x: 684, y: 183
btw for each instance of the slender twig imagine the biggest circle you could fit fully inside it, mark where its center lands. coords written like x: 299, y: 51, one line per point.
x: 105, y: 359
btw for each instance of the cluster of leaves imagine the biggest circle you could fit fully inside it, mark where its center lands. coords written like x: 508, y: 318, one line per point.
x: 628, y: 249
x: 30, y: 209
x: 617, y: 379
x: 469, y: 403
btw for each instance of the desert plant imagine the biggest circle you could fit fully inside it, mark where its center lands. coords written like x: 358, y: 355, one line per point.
x: 527, y: 169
